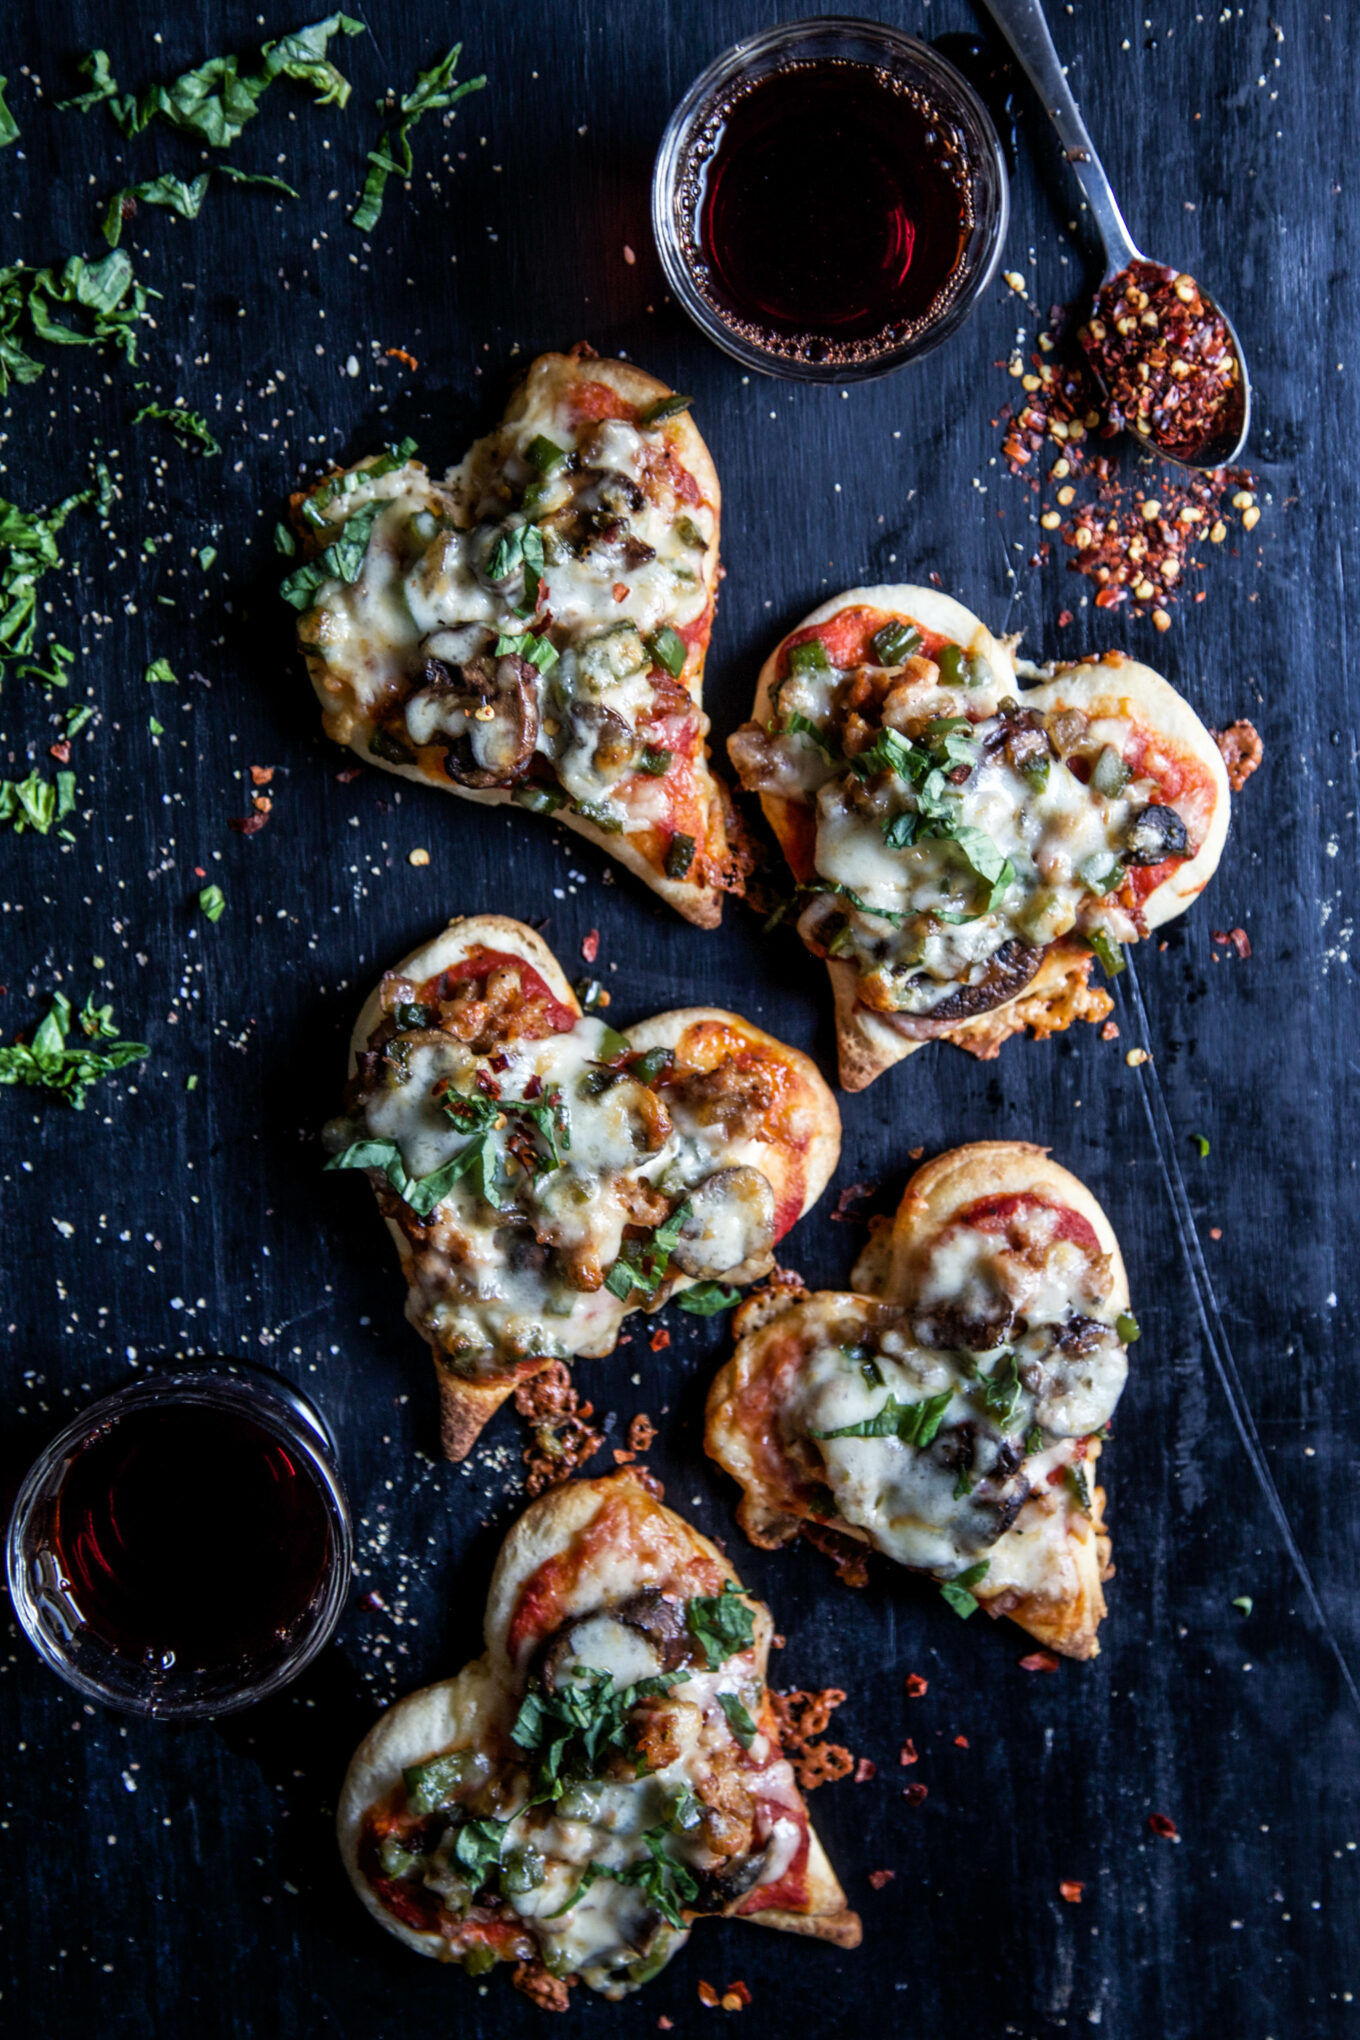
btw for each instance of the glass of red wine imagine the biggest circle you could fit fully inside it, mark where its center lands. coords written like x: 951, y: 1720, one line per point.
x: 183, y: 1547
x: 829, y: 200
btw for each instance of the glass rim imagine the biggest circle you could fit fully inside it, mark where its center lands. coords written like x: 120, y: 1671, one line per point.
x: 281, y: 1408
x: 986, y: 163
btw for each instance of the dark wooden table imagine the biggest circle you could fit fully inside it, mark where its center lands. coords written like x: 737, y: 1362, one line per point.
x: 174, y: 1882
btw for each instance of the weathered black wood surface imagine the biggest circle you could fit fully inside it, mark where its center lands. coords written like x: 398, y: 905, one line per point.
x: 160, y: 1882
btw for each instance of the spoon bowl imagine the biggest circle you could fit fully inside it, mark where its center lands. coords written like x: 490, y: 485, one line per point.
x: 1025, y: 29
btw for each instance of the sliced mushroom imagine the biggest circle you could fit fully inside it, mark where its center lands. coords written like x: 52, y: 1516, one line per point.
x: 484, y: 710
x: 598, y: 747
x: 600, y: 1642
x: 1008, y: 970
x: 730, y: 1229
x: 663, y: 1623
x: 956, y: 1330
x: 1155, y: 835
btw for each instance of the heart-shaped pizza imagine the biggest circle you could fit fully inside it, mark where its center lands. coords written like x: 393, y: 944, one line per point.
x: 964, y: 850
x: 543, y: 1174
x: 533, y: 627
x: 950, y: 1412
x: 609, y: 1772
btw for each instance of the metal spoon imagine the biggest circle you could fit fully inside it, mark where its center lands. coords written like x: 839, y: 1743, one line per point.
x: 1025, y: 29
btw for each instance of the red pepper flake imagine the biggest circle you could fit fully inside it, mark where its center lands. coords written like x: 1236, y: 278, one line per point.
x: 248, y: 825
x: 199, y: 872
x: 60, y: 751
x: 961, y: 1742
x: 853, y: 1194
x: 878, y: 1878
x: 1039, y: 1661
x: 590, y: 946
x: 262, y: 803
x: 349, y: 775
x: 533, y: 1085
x: 735, y: 1996
x: 865, y: 1769
x: 1110, y: 1031
x: 908, y: 1753
x: 708, y: 1997
x: 622, y: 1458
x: 915, y: 1154
x: 261, y: 774
x: 563, y: 1438
x: 1215, y: 1232
x: 620, y: 594
x: 641, y: 1433
x: 1233, y: 938
x: 660, y: 1340
x: 916, y: 1794
x: 400, y: 354
x: 916, y: 1685
x: 1065, y: 617
x: 1163, y: 1825
x: 665, y: 2025
x: 1071, y: 1890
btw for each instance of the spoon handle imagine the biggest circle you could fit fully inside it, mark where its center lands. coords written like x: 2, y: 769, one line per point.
x: 1025, y: 29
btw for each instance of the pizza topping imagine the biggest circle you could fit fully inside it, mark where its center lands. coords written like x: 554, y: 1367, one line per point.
x: 950, y: 849
x: 531, y: 621
x: 549, y: 1180
x: 625, y: 1788
x: 954, y: 1435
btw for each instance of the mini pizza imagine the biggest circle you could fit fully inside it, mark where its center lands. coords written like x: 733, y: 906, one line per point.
x: 533, y: 628
x: 951, y: 1412
x: 544, y: 1175
x: 963, y: 852
x: 609, y: 1772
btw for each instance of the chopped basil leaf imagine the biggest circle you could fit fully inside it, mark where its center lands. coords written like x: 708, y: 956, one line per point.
x: 894, y: 644
x: 643, y: 1264
x: 679, y: 855
x: 478, y: 1848
x: 9, y: 126
x: 914, y: 1423
x: 957, y: 1592
x: 38, y: 803
x: 284, y: 541
x: 662, y: 409
x: 160, y: 673
x: 188, y: 427
x: 167, y: 190
x: 1127, y: 1326
x: 668, y: 650
x: 738, y: 1720
x: 1245, y: 1603
x: 213, y: 901
x: 433, y: 91
x: 795, y: 725
x: 1034, y: 1440
x: 572, y: 1731
x: 707, y: 1299
x: 536, y: 650
x: 721, y: 1623
x: 342, y: 560
x: 1109, y: 953
x: 1001, y: 1390
x: 963, y: 1483
x: 49, y: 1064
x: 1202, y: 1143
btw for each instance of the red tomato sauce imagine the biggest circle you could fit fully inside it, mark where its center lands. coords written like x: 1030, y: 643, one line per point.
x: 589, y: 402
x: 994, y: 1214
x: 847, y: 636
x: 480, y: 963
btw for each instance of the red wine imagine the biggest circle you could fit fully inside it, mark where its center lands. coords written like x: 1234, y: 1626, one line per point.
x: 191, y: 1537
x: 835, y: 211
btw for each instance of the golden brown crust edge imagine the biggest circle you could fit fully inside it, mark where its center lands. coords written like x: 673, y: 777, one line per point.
x: 345, y: 723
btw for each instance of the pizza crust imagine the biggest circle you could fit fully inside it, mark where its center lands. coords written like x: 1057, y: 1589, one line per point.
x: 740, y: 1421
x: 347, y: 720
x: 466, y: 1407
x: 1061, y: 992
x: 644, y: 1544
